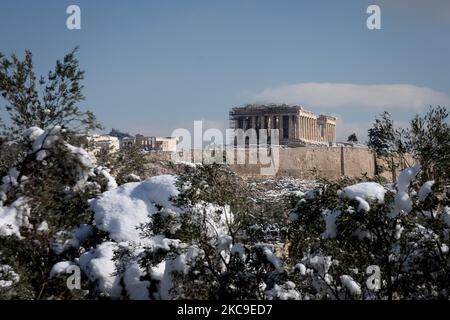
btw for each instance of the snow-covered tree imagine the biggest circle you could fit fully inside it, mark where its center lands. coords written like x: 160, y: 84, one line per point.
x: 212, y: 225
x: 126, y: 165
x: 46, y: 180
x: 344, y: 228
x: 427, y: 140
x: 352, y: 138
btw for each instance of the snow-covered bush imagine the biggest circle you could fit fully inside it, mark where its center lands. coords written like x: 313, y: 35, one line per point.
x: 193, y: 246
x: 172, y: 237
x: 46, y: 178
x: 346, y: 228
x: 126, y: 165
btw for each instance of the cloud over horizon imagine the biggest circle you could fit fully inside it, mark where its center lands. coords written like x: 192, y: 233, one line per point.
x: 333, y: 95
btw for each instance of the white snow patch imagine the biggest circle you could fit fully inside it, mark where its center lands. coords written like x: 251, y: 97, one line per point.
x: 273, y: 259
x: 224, y: 243
x: 132, y: 178
x: 137, y: 289
x: 330, y: 223
x: 42, y: 140
x: 13, y: 217
x: 100, y: 268
x: 33, y: 133
x: 402, y: 202
x: 82, y: 155
x: 60, y: 268
x: 363, y: 205
x: 178, y: 264
x: 446, y: 216
x: 365, y: 190
x: 239, y: 250
x: 406, y: 176
x: 8, y: 277
x: 301, y: 268
x: 425, y: 190
x: 43, y: 227
x: 284, y: 292
x: 11, y: 177
x: 351, y: 285
x: 120, y: 211
x: 319, y: 263
x: 112, y: 184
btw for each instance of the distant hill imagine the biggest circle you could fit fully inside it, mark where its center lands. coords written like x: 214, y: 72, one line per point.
x: 119, y: 134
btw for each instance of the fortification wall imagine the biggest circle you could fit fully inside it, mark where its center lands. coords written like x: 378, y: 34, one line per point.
x: 303, y: 162
x: 314, y: 162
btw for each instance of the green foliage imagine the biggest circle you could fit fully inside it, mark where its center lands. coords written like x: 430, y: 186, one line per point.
x: 409, y: 248
x: 56, y: 103
x: 382, y: 136
x: 427, y: 140
x: 123, y: 163
x: 56, y: 188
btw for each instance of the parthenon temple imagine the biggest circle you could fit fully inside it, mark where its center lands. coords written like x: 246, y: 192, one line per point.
x: 295, y: 124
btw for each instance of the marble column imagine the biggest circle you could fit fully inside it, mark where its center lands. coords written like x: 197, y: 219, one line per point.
x: 309, y: 128
x: 302, y: 127
x: 314, y: 129
x: 291, y: 126
x: 305, y: 128
x: 305, y: 131
x: 294, y: 127
x: 280, y: 126
x: 299, y: 127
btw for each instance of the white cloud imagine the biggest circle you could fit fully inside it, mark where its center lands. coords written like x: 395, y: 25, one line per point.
x: 379, y: 97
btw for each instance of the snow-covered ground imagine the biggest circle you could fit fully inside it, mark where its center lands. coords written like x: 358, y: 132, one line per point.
x: 275, y: 189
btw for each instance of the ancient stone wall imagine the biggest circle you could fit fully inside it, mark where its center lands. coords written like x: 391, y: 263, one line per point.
x: 303, y: 162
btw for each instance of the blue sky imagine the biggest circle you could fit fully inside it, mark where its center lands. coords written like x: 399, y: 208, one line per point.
x: 153, y: 66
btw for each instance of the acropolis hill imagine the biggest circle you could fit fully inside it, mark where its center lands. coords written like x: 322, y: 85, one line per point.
x: 307, y: 147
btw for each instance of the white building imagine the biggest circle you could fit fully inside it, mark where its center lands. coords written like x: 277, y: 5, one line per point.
x: 127, y: 142
x: 168, y: 144
x: 104, y: 142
